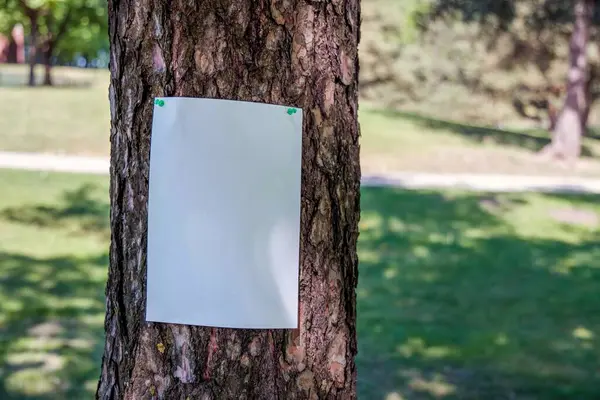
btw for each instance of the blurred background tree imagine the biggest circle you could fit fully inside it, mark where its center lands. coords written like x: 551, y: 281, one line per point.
x: 500, y: 62
x: 58, y: 30
x: 535, y: 28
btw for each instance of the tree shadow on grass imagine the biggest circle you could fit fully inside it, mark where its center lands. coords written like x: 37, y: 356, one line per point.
x: 51, y: 325
x: 52, y: 308
x: 454, y: 304
x: 80, y: 210
x: 480, y: 134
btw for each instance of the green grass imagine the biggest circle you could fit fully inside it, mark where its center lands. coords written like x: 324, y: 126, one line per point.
x: 53, y: 258
x: 73, y: 118
x: 402, y: 141
x: 461, y: 296
x: 466, y: 296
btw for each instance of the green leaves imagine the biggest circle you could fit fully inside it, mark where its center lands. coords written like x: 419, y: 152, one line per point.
x: 70, y: 26
x: 9, y: 16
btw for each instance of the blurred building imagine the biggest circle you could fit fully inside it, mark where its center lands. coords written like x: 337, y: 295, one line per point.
x: 12, y: 47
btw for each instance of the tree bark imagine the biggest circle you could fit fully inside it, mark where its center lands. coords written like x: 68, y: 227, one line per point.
x: 571, y: 122
x: 299, y: 53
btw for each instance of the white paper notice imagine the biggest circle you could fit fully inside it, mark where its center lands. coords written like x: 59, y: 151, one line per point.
x: 224, y: 214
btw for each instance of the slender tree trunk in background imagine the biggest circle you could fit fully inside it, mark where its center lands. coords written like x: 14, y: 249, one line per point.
x: 570, y: 124
x: 50, y: 43
x: 33, y: 14
x: 301, y: 53
x: 48, y: 65
x: 33, y: 38
x: 589, y: 99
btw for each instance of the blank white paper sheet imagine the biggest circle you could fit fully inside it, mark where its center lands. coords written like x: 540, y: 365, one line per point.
x: 224, y: 214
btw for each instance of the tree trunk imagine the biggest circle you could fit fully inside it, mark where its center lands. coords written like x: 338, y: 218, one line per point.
x: 589, y: 99
x: 48, y: 50
x: 300, y: 53
x: 570, y: 124
x: 52, y: 38
x: 33, y: 38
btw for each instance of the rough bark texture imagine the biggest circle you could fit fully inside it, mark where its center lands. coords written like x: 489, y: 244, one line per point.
x: 293, y: 52
x: 570, y: 125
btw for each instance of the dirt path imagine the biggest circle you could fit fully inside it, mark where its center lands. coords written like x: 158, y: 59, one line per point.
x: 410, y: 180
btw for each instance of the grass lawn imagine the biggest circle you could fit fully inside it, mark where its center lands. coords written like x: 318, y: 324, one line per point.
x: 399, y: 141
x: 461, y: 296
x: 470, y: 296
x: 53, y: 258
x: 73, y: 118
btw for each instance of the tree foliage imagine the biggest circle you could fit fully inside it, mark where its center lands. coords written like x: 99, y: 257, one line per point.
x: 537, y: 31
x: 69, y: 26
x: 538, y: 28
x: 9, y: 17
x: 539, y: 18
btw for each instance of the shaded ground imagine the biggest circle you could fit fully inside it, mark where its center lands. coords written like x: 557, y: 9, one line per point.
x: 467, y: 296
x: 399, y: 141
x: 53, y: 258
x: 461, y: 296
x: 534, y: 140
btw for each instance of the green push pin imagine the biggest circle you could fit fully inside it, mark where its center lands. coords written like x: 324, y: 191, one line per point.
x: 159, y: 102
x: 291, y: 111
